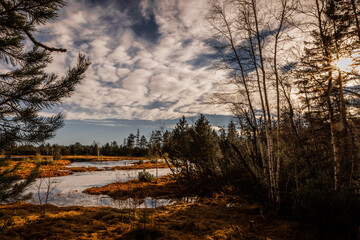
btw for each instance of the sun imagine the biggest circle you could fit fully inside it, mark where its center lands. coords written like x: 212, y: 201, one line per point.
x: 344, y: 64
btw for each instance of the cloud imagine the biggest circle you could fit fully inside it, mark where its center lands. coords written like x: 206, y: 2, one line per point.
x: 149, y: 59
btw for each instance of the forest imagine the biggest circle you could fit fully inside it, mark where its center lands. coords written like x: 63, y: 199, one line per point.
x: 293, y: 148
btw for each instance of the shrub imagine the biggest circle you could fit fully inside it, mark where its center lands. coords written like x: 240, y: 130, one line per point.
x: 139, y: 162
x: 331, y: 214
x: 145, y: 176
x: 48, y: 161
x: 144, y: 233
x: 38, y: 158
x: 57, y: 155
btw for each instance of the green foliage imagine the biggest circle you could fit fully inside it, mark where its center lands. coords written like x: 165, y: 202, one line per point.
x: 145, y: 176
x: 196, y: 153
x: 26, y: 87
x: 331, y: 214
x: 11, y: 188
x: 57, y: 155
x: 47, y: 161
x: 139, y: 233
x: 38, y: 158
x: 131, y: 141
x: 139, y: 162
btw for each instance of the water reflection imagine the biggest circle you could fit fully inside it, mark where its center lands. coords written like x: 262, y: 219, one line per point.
x: 68, y: 190
x: 104, y: 164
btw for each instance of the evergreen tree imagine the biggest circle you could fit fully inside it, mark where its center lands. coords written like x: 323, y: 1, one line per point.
x: 114, y: 148
x: 323, y: 86
x: 25, y: 87
x: 137, y: 138
x: 131, y: 141
x: 143, y: 142
x: 167, y: 143
x: 232, y: 134
x: 205, y: 151
x: 181, y: 140
x: 155, y: 143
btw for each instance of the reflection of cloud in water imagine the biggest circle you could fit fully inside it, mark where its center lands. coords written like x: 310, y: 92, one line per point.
x: 68, y: 190
x: 85, y: 200
x: 104, y: 164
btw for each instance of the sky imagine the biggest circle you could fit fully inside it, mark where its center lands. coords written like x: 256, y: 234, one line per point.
x: 151, y: 64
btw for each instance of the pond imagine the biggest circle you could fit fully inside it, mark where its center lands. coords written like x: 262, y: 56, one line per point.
x: 104, y: 164
x: 67, y: 190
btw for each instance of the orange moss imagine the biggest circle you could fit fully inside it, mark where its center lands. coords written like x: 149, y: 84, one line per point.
x: 165, y: 187
x: 57, y: 168
x: 144, y: 165
x: 224, y: 217
x: 102, y: 158
x: 84, y: 169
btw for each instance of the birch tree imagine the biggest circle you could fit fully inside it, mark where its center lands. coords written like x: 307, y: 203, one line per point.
x: 246, y: 36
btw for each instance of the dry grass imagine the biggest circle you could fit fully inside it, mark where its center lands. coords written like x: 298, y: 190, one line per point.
x: 165, y: 187
x: 101, y: 158
x: 221, y: 217
x: 58, y: 167
x: 224, y: 217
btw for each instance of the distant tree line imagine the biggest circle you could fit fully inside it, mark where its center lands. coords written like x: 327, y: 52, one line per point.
x: 134, y: 145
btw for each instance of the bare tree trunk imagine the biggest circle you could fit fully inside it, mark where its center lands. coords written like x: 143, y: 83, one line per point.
x: 173, y: 171
x: 295, y: 131
x: 356, y: 16
x: 277, y: 78
x: 268, y: 124
x: 228, y: 34
x: 329, y: 104
x: 264, y: 163
x: 335, y: 147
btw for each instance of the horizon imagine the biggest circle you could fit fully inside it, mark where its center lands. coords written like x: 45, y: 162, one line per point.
x: 109, y: 130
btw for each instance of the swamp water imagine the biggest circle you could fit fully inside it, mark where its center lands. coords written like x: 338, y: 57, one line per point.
x: 68, y: 190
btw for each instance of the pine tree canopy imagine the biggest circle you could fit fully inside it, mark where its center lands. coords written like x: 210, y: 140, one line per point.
x: 25, y: 87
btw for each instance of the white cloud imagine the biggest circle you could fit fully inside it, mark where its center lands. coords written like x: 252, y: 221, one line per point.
x: 129, y: 75
x: 122, y: 72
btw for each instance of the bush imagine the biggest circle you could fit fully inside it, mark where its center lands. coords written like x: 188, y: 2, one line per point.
x: 331, y: 214
x: 38, y: 158
x: 144, y: 233
x: 145, y: 176
x: 57, y: 156
x: 46, y: 162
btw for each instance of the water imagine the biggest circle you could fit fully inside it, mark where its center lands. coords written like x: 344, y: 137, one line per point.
x: 104, y: 164
x: 67, y: 190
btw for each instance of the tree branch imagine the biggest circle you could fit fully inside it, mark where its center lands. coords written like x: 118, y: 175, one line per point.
x: 51, y: 49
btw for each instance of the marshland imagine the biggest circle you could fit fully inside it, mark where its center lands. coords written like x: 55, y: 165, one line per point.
x: 157, y: 119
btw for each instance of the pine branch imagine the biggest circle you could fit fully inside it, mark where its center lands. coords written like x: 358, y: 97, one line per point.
x: 51, y: 49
